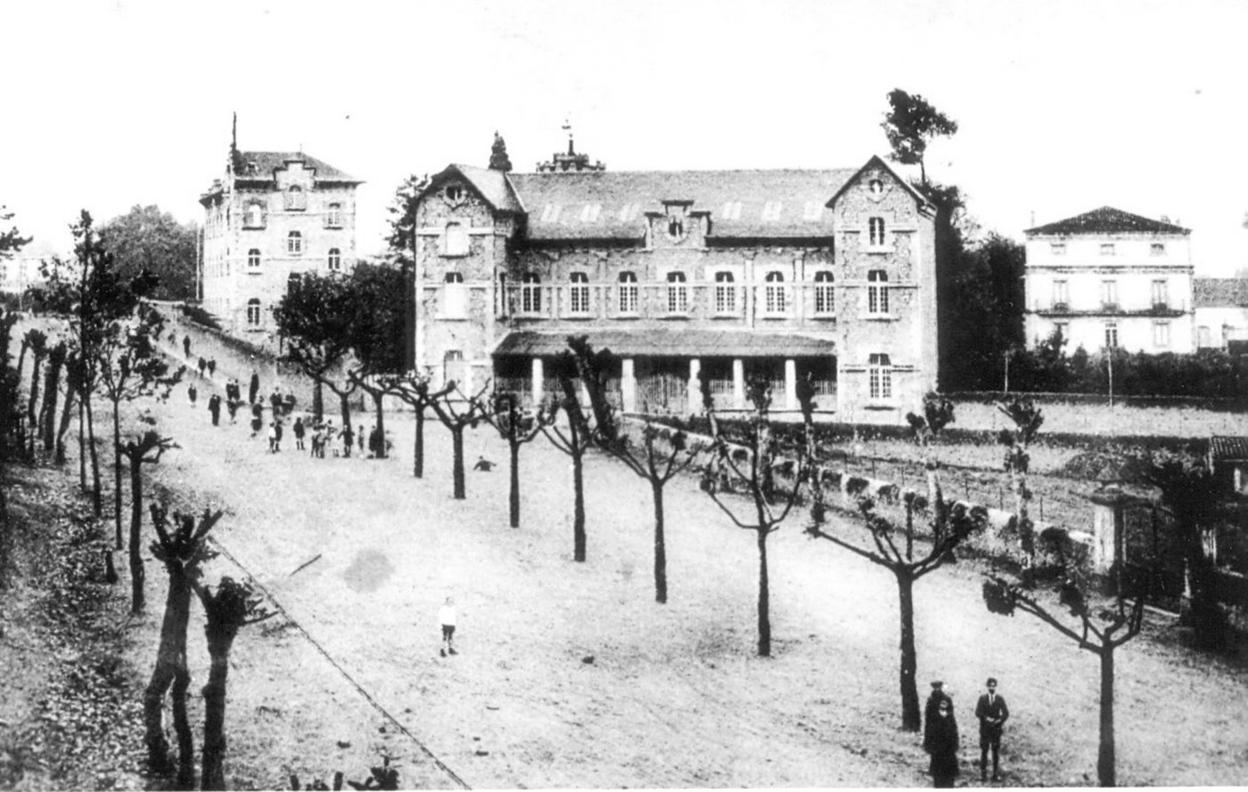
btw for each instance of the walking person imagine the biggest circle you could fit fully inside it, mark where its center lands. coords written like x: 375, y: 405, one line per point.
x: 940, y: 740
x: 203, y: 364
x: 347, y: 438
x: 253, y: 390
x: 232, y: 405
x: 360, y: 438
x: 992, y: 713
x: 272, y: 437
x: 298, y: 430
x: 277, y: 435
x: 191, y: 393
x: 214, y: 407
x: 186, y: 346
x: 212, y: 366
x: 275, y: 402
x: 446, y: 617
x: 257, y: 419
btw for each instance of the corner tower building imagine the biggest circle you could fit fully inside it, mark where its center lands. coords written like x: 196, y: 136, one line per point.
x: 275, y: 216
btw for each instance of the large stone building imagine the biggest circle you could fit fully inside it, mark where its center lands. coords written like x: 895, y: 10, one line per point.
x: 275, y: 215
x: 782, y: 274
x: 1108, y: 278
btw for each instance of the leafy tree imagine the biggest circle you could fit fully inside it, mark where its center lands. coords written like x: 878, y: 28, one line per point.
x: 1027, y: 420
x: 654, y: 465
x: 9, y: 411
x: 182, y: 550
x: 11, y: 240
x: 147, y: 240
x: 146, y: 450
x: 377, y: 340
x: 910, y: 124
x: 316, y: 317
x: 231, y: 607
x: 767, y: 508
x: 986, y: 314
x: 951, y: 524
x: 402, y: 243
x: 458, y: 412
x: 499, y: 160
x: 517, y: 427
x: 573, y: 439
x: 1096, y: 629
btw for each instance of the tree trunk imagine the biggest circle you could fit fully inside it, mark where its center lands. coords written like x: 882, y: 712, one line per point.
x: 51, y: 392
x: 578, y: 502
x: 97, y: 499
x: 318, y: 401
x: 660, y: 545
x: 457, y: 451
x: 513, y: 492
x: 344, y: 405
x: 764, y: 597
x: 66, y: 414
x: 32, y: 420
x: 136, y: 534
x: 213, y: 765
x: 909, y: 656
x: 1105, y: 761
x: 117, y: 469
x: 181, y: 721
x: 418, y: 450
x: 82, y: 443
x: 169, y: 656
x: 380, y: 451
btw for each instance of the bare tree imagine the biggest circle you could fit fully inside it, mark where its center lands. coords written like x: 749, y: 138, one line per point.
x: 574, y: 439
x: 146, y: 450
x: 415, y: 389
x: 182, y: 550
x: 517, y: 427
x: 73, y: 380
x: 457, y: 414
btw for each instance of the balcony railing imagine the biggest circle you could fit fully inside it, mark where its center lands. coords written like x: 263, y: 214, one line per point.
x: 663, y: 300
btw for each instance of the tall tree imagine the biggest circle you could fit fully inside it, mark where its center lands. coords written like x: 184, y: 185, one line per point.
x: 499, y: 160
x: 145, y: 239
x: 316, y: 317
x: 754, y: 477
x: 659, y: 457
x: 910, y: 124
x: 376, y: 335
x: 51, y: 391
x: 894, y: 547
x: 183, y: 550
x: 986, y: 315
x: 9, y: 412
x: 517, y: 427
x: 402, y: 243
x: 146, y: 450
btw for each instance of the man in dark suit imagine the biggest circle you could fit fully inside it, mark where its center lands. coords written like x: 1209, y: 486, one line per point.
x: 992, y: 713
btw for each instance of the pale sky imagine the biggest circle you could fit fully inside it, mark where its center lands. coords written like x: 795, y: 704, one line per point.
x: 1063, y: 106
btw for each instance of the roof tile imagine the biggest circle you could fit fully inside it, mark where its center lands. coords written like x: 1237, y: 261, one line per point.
x: 1107, y: 220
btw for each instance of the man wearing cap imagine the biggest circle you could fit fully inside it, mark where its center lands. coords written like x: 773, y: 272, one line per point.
x: 992, y: 713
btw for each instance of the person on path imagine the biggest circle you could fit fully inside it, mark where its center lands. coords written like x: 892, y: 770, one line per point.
x: 191, y: 393
x: 186, y: 346
x: 298, y: 430
x: 318, y: 441
x: 212, y: 366
x: 288, y: 403
x: 275, y: 401
x: 277, y: 435
x: 232, y: 406
x: 347, y: 438
x: 257, y: 420
x: 214, y: 407
x: 272, y: 437
x: 992, y: 713
x: 203, y: 364
x: 933, y: 704
x: 253, y: 390
x: 941, y: 743
x: 360, y: 438
x: 446, y: 617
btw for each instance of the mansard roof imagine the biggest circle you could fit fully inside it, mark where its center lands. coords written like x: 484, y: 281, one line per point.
x: 1107, y: 220
x: 260, y: 166
x: 761, y: 204
x: 1220, y: 292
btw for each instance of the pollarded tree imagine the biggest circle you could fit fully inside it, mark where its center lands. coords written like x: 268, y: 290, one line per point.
x: 231, y: 607
x: 517, y: 427
x: 1096, y: 628
x: 415, y: 389
x: 73, y: 378
x: 315, y: 318
x: 910, y: 124
x: 1027, y: 420
x: 573, y: 438
x: 52, y: 390
x: 183, y: 550
x: 898, y: 549
x: 755, y: 477
x: 146, y: 450
x: 458, y: 412
x: 660, y: 456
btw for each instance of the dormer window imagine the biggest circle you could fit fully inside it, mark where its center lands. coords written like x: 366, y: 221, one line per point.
x: 675, y: 227
x: 253, y: 217
x: 590, y: 213
x: 814, y: 211
x: 876, y: 187
x: 550, y: 213
x: 296, y: 199
x: 454, y: 193
x: 771, y: 211
x: 731, y: 211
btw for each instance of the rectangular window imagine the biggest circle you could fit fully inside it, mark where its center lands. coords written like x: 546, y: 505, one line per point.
x: 814, y: 211
x: 771, y: 211
x: 531, y: 295
x: 880, y: 377
x: 1109, y: 294
x: 1107, y: 248
x: 455, y: 242
x: 725, y: 293
x: 677, y: 293
x: 1204, y: 339
x: 454, y: 297
x: 1111, y: 335
x: 1161, y: 334
x: 1061, y: 295
x: 824, y: 295
x: 731, y: 211
x: 1157, y: 249
x: 628, y: 295
x: 578, y: 294
x: 333, y: 216
x: 877, y: 292
x: 875, y: 227
x: 1057, y: 248
x: 1160, y: 294
x: 774, y: 299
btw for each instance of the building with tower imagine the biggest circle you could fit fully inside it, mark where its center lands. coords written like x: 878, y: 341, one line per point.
x: 274, y: 216
x: 782, y: 274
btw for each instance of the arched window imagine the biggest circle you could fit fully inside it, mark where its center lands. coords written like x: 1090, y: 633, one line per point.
x: 253, y: 312
x: 875, y: 227
x: 628, y: 292
x: 677, y: 293
x: 880, y: 377
x: 296, y: 199
x: 774, y: 301
x: 456, y: 241
x: 531, y: 293
x: 824, y: 302
x: 335, y: 260
x: 454, y: 296
x: 294, y: 243
x: 725, y: 293
x: 254, y: 216
x: 877, y: 292
x: 333, y: 216
x: 253, y: 260
x: 578, y: 293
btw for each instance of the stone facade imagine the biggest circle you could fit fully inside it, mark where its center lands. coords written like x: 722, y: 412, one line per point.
x: 778, y: 274
x: 274, y: 215
x: 1109, y: 278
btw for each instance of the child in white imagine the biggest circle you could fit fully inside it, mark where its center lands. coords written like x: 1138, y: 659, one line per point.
x: 446, y: 616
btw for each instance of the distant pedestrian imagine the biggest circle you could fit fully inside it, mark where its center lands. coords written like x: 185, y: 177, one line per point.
x: 288, y: 403
x: 214, y: 407
x: 941, y: 742
x: 483, y: 464
x: 446, y: 617
x: 298, y: 430
x: 212, y: 366
x: 275, y: 401
x: 253, y: 390
x: 186, y: 346
x: 272, y: 437
x: 257, y: 419
x: 232, y: 406
x: 191, y: 393
x: 992, y: 713
x: 933, y: 703
x: 318, y: 441
x: 347, y: 438
x: 360, y: 438
x: 278, y: 431
x: 203, y: 364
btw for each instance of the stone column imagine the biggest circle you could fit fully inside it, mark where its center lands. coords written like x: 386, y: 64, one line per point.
x: 694, y: 390
x: 628, y: 385
x: 790, y: 384
x: 539, y: 380
x: 738, y: 383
